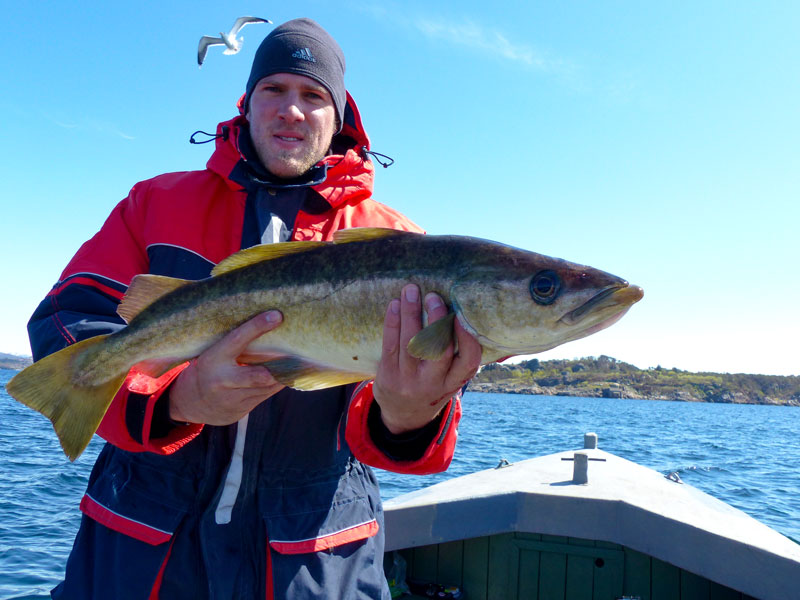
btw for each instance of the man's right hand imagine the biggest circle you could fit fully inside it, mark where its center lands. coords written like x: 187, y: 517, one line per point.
x: 215, y: 388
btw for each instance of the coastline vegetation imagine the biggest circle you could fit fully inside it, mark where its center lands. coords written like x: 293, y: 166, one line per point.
x: 610, y: 378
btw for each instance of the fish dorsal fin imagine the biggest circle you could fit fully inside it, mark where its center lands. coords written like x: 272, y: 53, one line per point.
x: 365, y: 234
x: 261, y: 253
x: 144, y: 290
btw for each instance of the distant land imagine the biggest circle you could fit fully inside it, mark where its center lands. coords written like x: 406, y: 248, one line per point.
x: 13, y: 361
x: 607, y: 377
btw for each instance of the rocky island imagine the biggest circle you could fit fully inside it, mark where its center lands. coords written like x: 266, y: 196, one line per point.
x: 13, y: 361
x: 608, y: 377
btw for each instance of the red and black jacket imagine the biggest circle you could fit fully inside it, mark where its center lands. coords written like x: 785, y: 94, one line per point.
x: 304, y: 499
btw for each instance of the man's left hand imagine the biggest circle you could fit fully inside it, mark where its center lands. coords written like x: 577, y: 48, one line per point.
x: 411, y: 391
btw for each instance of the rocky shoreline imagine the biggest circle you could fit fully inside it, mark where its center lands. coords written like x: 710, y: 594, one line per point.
x: 613, y: 391
x: 606, y: 377
x: 11, y: 361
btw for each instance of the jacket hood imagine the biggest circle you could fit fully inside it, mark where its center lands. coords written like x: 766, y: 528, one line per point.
x: 350, y: 172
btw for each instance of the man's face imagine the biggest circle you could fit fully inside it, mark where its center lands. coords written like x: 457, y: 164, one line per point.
x: 292, y: 121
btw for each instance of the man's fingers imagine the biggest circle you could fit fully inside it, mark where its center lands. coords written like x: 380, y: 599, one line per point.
x: 235, y: 342
x: 256, y: 378
x: 391, y: 330
x: 437, y: 309
x: 410, y: 313
x: 217, y: 390
x: 465, y: 364
x: 410, y: 324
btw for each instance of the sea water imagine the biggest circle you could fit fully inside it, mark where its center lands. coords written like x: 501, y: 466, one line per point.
x: 745, y: 455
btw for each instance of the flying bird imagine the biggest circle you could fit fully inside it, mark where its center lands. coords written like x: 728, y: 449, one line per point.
x: 229, y: 40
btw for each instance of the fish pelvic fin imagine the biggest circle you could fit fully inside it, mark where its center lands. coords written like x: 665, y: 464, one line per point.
x: 74, y: 410
x: 144, y: 290
x: 365, y: 234
x: 300, y: 374
x: 263, y: 252
x: 433, y: 341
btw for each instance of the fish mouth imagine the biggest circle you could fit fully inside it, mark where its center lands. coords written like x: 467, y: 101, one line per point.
x: 620, y: 296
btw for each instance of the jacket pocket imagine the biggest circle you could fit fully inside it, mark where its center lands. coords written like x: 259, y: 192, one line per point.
x: 127, y: 498
x: 332, y: 510
x: 325, y: 535
x: 125, y: 536
x: 332, y: 549
x: 121, y: 523
x: 321, y: 530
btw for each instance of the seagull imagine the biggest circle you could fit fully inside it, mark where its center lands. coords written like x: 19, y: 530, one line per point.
x: 232, y: 43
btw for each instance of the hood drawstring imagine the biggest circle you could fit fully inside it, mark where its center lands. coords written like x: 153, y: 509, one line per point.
x: 211, y: 136
x: 389, y: 160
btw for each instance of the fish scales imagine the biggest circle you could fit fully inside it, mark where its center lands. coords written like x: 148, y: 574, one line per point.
x: 333, y: 297
x: 306, y: 287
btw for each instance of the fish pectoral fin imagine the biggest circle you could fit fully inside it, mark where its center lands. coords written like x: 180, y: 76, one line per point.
x: 365, y: 234
x: 432, y: 341
x: 294, y: 372
x: 144, y: 290
x: 261, y: 253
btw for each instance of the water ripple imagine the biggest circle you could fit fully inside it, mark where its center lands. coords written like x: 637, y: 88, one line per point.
x: 744, y: 455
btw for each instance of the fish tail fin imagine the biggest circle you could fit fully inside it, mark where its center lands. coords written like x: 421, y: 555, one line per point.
x: 74, y: 409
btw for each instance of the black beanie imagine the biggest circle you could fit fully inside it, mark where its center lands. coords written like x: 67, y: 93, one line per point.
x: 301, y: 46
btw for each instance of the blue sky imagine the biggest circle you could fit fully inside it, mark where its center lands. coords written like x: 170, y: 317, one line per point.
x: 660, y: 142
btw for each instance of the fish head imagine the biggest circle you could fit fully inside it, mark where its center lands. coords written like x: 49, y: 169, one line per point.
x: 533, y: 303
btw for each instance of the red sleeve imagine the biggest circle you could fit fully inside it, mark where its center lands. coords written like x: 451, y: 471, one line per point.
x: 128, y: 421
x: 435, y: 459
x: 112, y: 257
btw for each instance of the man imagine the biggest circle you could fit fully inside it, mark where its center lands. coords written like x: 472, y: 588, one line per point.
x: 217, y: 481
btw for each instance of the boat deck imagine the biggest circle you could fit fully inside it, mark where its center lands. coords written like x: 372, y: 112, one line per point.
x: 627, y: 530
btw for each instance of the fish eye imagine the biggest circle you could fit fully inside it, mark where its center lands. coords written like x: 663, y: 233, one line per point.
x: 545, y: 287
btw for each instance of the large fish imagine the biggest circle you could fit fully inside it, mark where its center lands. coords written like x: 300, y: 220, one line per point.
x: 333, y: 296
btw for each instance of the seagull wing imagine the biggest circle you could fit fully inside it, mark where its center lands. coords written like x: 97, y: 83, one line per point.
x: 202, y: 48
x: 242, y: 21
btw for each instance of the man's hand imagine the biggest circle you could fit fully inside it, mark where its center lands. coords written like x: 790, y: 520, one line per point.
x: 410, y: 391
x: 215, y: 388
